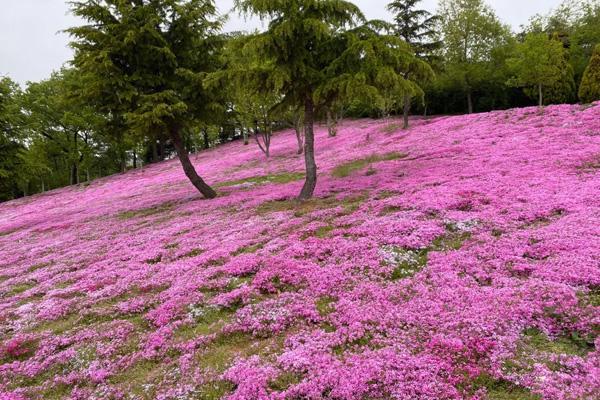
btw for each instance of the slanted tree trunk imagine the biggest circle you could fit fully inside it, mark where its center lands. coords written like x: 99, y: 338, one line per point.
x: 406, y: 111
x: 470, y: 101
x: 309, y: 150
x: 265, y: 146
x: 188, y: 167
x: 541, y: 95
x: 331, y: 124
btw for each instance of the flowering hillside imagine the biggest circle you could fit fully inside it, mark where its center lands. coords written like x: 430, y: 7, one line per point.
x: 457, y: 260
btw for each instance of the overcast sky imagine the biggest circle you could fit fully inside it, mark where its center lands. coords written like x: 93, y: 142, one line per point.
x: 31, y: 45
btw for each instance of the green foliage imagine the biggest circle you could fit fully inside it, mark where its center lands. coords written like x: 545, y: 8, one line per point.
x: 539, y: 61
x: 416, y: 27
x: 146, y: 60
x: 589, y: 91
x: 471, y: 33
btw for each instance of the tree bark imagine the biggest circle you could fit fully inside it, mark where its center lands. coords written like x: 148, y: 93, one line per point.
x: 331, y: 124
x: 309, y: 150
x: 205, y: 136
x: 245, y: 133
x: 470, y: 101
x: 300, y: 139
x: 541, y: 95
x: 74, y: 174
x: 154, y: 151
x: 406, y: 111
x: 188, y: 167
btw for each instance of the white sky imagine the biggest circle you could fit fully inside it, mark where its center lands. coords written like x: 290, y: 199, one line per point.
x: 31, y: 45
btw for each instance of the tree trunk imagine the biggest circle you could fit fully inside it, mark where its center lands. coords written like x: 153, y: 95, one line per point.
x: 245, y: 133
x: 331, y: 125
x: 154, y: 151
x: 188, y: 167
x: 74, y: 174
x: 87, y: 175
x: 470, y: 101
x: 309, y: 151
x: 541, y: 95
x: 134, y: 160
x: 206, y: 142
x: 406, y: 110
x: 299, y: 138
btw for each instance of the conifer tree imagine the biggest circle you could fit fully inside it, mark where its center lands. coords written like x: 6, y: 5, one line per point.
x: 145, y: 61
x: 318, y: 54
x: 589, y: 91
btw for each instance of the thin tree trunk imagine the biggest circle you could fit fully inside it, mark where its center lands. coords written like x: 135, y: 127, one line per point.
x: 87, y: 175
x: 205, y: 136
x: 406, y: 110
x: 74, y: 174
x: 299, y: 138
x: 245, y: 133
x: 154, y: 151
x: 541, y: 95
x: 470, y: 101
x: 309, y: 151
x: 188, y: 167
x: 134, y: 160
x: 331, y: 124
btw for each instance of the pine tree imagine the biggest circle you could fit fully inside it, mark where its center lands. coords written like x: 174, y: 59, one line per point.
x: 319, y: 57
x: 144, y: 62
x: 589, y: 91
x: 416, y: 27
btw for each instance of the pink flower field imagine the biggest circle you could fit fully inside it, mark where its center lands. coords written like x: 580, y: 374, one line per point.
x: 459, y: 259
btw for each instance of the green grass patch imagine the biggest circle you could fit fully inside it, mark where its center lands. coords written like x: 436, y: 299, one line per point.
x: 248, y: 249
x: 284, y: 381
x: 450, y: 241
x: 325, y: 305
x: 498, y: 389
x: 146, y: 212
x: 285, y: 177
x: 302, y: 208
x: 391, y: 128
x: 215, y: 390
x: 21, y: 287
x: 573, y: 344
x: 347, y: 169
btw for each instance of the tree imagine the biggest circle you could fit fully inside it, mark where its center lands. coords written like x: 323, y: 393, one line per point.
x: 10, y: 146
x: 470, y: 31
x: 253, y: 104
x: 59, y: 126
x: 589, y: 91
x: 145, y: 61
x: 416, y: 27
x: 295, y: 42
x: 320, y: 57
x: 539, y: 62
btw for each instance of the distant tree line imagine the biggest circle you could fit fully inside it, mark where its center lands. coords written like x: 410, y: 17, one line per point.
x: 151, y: 80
